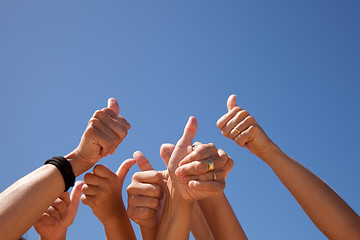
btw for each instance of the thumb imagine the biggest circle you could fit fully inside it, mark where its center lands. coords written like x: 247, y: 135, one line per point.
x: 166, y: 150
x: 231, y: 102
x: 124, y: 168
x: 189, y: 133
x: 74, y: 200
x: 142, y: 161
x: 113, y: 105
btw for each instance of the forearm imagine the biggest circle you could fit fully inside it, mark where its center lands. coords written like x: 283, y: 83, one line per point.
x: 221, y: 218
x: 148, y: 233
x: 119, y: 228
x: 328, y: 211
x: 199, y: 227
x: 17, y: 208
x: 175, y: 220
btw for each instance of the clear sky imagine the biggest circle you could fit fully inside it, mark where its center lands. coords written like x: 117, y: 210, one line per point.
x: 294, y: 65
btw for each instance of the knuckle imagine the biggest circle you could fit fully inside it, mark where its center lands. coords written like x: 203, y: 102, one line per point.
x: 244, y: 113
x: 99, y: 113
x: 158, y: 177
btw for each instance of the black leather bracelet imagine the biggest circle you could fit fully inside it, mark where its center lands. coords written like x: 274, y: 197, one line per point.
x: 65, y: 168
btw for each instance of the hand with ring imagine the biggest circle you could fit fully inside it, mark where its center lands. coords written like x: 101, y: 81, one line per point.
x: 203, y: 171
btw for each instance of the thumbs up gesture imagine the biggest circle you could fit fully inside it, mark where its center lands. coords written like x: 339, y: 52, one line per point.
x: 102, y: 192
x: 238, y: 125
x: 105, y: 131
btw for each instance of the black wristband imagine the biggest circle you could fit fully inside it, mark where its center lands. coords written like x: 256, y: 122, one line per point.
x: 65, y: 168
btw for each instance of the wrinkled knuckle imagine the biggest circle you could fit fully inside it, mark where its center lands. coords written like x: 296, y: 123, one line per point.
x: 236, y: 109
x: 225, y: 133
x: 245, y: 113
x: 158, y: 177
x: 211, y: 146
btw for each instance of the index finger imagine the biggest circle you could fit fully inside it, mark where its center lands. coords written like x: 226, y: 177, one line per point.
x: 221, y: 123
x: 201, y: 152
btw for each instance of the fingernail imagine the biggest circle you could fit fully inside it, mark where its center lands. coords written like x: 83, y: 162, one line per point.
x: 179, y: 172
x: 192, y: 184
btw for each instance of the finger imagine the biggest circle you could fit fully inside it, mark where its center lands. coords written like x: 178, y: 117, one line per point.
x: 74, y: 200
x: 189, y: 133
x: 150, y: 176
x: 145, y: 189
x: 221, y: 123
x: 142, y: 161
x: 246, y: 136
x: 60, y: 207
x: 229, y: 130
x: 46, y: 220
x: 113, y: 134
x: 143, y: 201
x: 113, y: 105
x: 199, y: 167
x: 118, y: 118
x: 100, y: 138
x: 214, y: 187
x: 103, y: 172
x: 196, y: 144
x: 65, y: 196
x: 113, y: 124
x: 228, y: 162
x: 166, y: 150
x: 201, y: 152
x: 88, y: 200
x: 231, y: 102
x: 124, y: 168
x: 92, y: 179
x: 218, y: 175
x: 241, y: 126
x: 90, y: 190
x: 53, y: 213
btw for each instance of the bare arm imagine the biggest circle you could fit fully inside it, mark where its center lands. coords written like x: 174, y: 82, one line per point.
x: 42, y: 186
x: 221, y: 218
x: 326, y: 209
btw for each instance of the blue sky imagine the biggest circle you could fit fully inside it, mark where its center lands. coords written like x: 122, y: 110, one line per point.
x: 294, y: 65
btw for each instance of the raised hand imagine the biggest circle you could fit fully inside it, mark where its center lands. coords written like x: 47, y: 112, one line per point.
x: 103, y: 193
x: 102, y: 190
x: 195, y: 170
x: 53, y: 224
x: 145, y: 194
x: 105, y: 131
x: 241, y: 127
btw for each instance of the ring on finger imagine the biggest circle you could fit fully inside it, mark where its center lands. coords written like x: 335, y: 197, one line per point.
x: 237, y: 130
x: 210, y: 165
x: 214, y: 176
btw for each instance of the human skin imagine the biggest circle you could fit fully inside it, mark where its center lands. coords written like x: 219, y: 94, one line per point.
x: 103, y: 193
x: 105, y: 131
x: 145, y: 208
x: 146, y: 195
x: 326, y: 209
x: 180, y: 196
x: 53, y: 224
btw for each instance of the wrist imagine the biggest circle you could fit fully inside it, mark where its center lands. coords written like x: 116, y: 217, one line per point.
x: 271, y: 154
x: 61, y: 236
x: 78, y: 163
